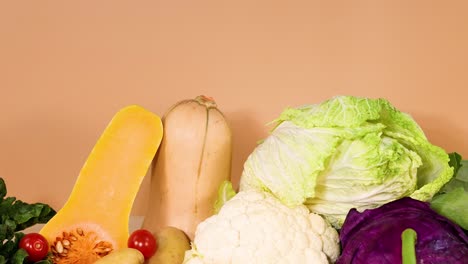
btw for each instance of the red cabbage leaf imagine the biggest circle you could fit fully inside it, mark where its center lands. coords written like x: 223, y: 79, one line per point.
x: 374, y: 236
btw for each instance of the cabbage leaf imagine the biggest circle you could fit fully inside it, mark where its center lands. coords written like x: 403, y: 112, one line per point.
x: 347, y: 152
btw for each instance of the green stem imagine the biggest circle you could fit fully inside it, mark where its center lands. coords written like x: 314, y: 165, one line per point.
x: 207, y: 101
x: 408, y: 243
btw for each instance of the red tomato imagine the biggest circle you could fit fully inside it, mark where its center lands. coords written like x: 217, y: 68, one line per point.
x: 36, y: 245
x: 144, y: 241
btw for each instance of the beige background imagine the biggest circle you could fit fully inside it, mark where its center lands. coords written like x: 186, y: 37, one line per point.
x: 67, y: 66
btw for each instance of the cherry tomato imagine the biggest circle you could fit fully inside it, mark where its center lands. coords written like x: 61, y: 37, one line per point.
x: 144, y: 241
x: 36, y: 245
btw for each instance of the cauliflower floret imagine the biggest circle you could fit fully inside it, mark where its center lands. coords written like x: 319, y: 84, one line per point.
x: 255, y: 227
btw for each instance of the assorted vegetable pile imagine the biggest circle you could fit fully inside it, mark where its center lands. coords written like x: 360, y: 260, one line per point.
x: 366, y: 168
x: 349, y: 180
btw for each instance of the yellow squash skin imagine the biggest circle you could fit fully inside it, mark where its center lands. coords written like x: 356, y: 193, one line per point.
x: 104, y: 192
x: 192, y: 162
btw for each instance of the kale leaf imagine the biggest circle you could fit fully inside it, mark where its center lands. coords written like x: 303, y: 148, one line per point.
x: 15, y: 216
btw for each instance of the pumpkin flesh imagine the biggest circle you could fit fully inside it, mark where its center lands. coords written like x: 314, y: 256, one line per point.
x: 103, y: 195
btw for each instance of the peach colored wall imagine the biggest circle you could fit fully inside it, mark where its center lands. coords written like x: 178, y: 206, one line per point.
x: 67, y: 66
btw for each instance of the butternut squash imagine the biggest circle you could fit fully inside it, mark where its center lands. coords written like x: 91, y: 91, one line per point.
x: 95, y: 219
x: 192, y: 162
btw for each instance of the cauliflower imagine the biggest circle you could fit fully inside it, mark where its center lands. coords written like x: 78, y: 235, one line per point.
x: 255, y: 227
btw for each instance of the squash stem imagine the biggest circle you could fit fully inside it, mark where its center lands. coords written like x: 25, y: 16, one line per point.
x: 408, y: 243
x: 207, y: 101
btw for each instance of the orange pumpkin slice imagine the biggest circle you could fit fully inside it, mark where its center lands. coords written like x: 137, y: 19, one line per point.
x: 95, y: 219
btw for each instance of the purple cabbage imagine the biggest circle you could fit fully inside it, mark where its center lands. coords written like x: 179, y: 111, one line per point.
x: 374, y: 236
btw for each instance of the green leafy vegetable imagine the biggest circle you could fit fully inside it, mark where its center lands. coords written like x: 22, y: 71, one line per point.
x: 455, y: 162
x: 225, y: 193
x: 452, y: 199
x: 460, y: 178
x: 408, y: 243
x: 346, y: 152
x: 15, y: 216
x: 453, y: 205
x: 45, y: 261
x: 19, y: 257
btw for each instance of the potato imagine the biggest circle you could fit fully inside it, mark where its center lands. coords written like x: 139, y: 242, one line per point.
x: 123, y: 256
x: 172, y: 244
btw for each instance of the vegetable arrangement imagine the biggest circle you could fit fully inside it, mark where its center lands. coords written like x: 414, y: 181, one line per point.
x: 349, y: 180
x: 362, y: 165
